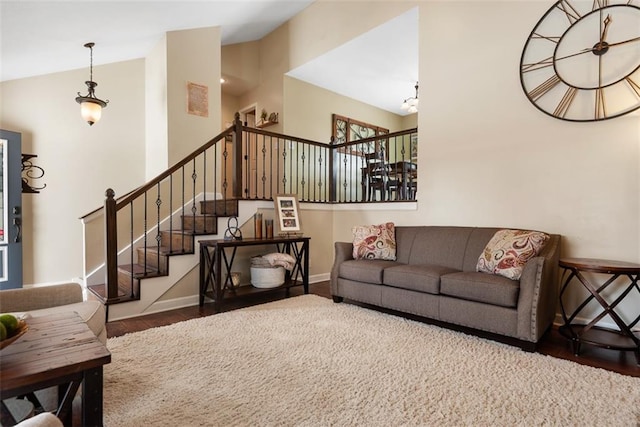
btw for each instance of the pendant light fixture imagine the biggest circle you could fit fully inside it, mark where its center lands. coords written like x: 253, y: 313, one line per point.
x: 90, y: 106
x: 411, y: 104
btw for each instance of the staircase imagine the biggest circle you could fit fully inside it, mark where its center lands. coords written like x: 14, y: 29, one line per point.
x: 152, y: 261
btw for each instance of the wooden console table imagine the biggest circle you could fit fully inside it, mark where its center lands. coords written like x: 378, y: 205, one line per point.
x: 215, y: 267
x: 57, y: 350
x: 624, y: 339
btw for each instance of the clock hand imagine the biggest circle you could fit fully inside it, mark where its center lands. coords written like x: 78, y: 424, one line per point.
x: 582, y: 52
x: 591, y: 49
x: 635, y: 39
x: 606, y: 22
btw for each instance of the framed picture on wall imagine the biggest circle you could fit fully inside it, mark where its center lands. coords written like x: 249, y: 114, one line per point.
x: 287, y: 214
x: 414, y: 146
x: 197, y: 99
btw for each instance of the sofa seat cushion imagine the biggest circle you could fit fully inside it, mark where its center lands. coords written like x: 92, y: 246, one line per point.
x: 481, y: 287
x: 422, y: 278
x: 365, y: 270
x: 92, y: 312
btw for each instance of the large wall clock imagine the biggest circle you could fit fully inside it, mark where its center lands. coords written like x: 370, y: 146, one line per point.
x: 581, y: 62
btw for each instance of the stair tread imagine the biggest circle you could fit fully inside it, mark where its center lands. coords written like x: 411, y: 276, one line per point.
x: 190, y: 232
x: 164, y: 250
x: 138, y: 270
x: 123, y: 294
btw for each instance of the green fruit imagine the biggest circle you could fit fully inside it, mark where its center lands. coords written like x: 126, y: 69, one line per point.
x: 10, y: 323
x: 3, y: 332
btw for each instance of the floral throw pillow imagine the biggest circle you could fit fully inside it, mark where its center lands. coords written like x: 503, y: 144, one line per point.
x: 374, y: 241
x: 509, y: 250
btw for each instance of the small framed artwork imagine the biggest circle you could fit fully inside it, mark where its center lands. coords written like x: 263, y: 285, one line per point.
x: 287, y: 214
x: 197, y: 99
x: 414, y: 146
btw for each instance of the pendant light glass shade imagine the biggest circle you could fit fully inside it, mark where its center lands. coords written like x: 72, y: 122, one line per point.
x: 411, y: 104
x: 91, y: 111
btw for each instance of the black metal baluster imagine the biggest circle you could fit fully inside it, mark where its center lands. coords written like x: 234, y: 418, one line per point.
x: 158, y: 235
x: 264, y: 170
x: 144, y: 231
x: 131, y: 281
x: 194, y: 208
x: 182, y: 210
x: 171, y: 214
x: 303, y: 158
x: 204, y: 189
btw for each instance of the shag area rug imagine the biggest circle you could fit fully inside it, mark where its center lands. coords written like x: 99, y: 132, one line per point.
x: 306, y: 361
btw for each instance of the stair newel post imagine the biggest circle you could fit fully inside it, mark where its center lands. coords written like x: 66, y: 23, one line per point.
x: 111, y: 245
x: 237, y: 158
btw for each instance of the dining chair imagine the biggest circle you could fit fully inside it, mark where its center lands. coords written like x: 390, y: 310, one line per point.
x: 378, y: 177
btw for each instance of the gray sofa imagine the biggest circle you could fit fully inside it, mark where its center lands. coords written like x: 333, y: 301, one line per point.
x: 434, y: 276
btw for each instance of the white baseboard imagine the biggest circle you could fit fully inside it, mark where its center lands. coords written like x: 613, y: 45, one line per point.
x: 192, y: 300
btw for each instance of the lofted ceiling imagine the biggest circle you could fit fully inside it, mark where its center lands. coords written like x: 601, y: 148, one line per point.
x: 379, y: 67
x: 43, y: 37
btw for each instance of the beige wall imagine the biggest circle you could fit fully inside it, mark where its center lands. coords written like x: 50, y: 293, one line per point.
x: 192, y: 56
x: 308, y: 110
x: 80, y: 161
x: 156, y: 105
x: 241, y: 64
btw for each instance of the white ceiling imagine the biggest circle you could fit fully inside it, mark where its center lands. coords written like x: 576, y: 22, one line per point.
x: 43, y: 37
x: 378, y: 68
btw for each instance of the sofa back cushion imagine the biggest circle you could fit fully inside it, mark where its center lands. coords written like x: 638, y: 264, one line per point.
x: 433, y: 245
x: 447, y: 246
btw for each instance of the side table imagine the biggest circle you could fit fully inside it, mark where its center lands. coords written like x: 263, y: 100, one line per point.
x: 216, y: 265
x: 624, y: 339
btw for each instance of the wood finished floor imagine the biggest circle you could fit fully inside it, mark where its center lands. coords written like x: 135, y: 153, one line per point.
x: 552, y: 344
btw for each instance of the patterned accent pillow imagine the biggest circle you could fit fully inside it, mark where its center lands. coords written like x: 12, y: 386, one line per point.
x: 375, y: 241
x: 509, y: 250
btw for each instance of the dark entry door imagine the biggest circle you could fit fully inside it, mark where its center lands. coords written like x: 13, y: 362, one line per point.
x: 10, y: 210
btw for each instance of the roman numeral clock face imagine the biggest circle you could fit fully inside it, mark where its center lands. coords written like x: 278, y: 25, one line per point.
x: 581, y: 62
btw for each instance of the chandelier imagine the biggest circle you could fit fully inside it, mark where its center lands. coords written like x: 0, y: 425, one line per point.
x: 411, y: 104
x: 90, y: 106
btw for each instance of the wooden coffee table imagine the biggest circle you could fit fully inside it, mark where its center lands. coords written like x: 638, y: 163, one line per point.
x: 57, y: 350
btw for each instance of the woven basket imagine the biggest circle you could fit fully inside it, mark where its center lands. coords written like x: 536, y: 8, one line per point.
x: 267, y: 277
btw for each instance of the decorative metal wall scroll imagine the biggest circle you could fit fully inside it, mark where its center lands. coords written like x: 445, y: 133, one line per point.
x: 29, y: 173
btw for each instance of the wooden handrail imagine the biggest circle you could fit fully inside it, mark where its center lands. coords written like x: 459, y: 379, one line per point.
x: 123, y: 201
x: 135, y: 193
